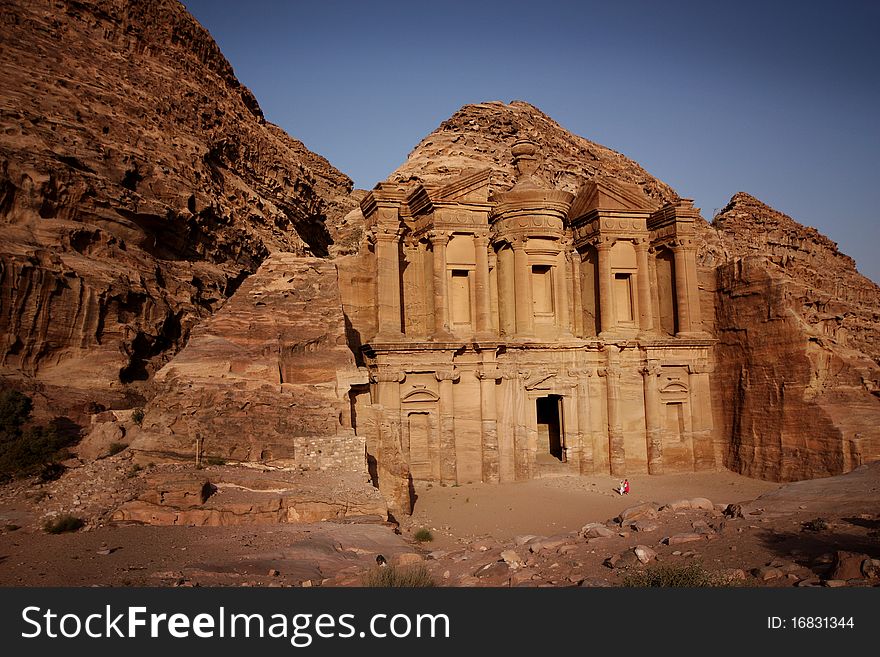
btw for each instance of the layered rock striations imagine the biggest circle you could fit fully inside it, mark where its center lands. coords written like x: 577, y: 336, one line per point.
x: 479, y: 136
x: 139, y: 185
x: 798, y: 381
x: 260, y: 380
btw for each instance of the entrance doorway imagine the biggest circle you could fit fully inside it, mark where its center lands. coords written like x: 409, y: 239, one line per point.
x: 549, y: 428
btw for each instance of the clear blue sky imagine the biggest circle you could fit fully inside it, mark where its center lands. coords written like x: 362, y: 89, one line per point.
x: 778, y: 99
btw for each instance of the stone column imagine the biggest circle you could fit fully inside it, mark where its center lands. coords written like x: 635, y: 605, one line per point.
x: 693, y: 288
x: 525, y: 309
x: 506, y: 292
x: 577, y: 308
x: 616, y: 452
x: 494, y: 310
x: 682, y: 296
x: 439, y: 240
x: 448, y: 474
x: 488, y: 374
x: 571, y: 429
x: 584, y: 420
x: 643, y: 282
x: 707, y: 454
x: 388, y: 283
x: 653, y: 434
x: 481, y: 284
x: 563, y: 321
x: 606, y: 318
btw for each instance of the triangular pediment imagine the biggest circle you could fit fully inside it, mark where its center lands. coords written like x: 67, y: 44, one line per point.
x: 470, y: 187
x: 609, y: 194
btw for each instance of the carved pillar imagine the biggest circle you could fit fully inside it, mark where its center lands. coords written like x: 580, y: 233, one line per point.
x: 653, y: 434
x: 682, y: 295
x: 481, y: 284
x: 439, y: 240
x: 525, y: 310
x: 616, y: 452
x: 571, y: 447
x: 448, y: 473
x: 388, y: 283
x: 493, y: 293
x: 488, y: 374
x: 563, y: 321
x: 643, y: 282
x: 427, y: 267
x: 584, y: 421
x: 577, y: 319
x: 606, y: 318
x: 506, y: 292
x: 693, y: 288
x: 707, y: 453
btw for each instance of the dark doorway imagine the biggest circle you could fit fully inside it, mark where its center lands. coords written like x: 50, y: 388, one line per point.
x: 549, y: 427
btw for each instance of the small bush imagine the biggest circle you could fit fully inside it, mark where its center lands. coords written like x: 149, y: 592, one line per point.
x: 394, y: 577
x: 690, y: 576
x: 63, y: 523
x: 51, y: 472
x: 115, y: 448
x: 138, y: 416
x: 424, y: 535
x: 815, y: 525
x: 133, y: 470
x: 215, y: 460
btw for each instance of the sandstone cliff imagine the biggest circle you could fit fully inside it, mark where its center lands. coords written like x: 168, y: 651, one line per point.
x: 139, y: 185
x: 797, y: 375
x: 258, y: 380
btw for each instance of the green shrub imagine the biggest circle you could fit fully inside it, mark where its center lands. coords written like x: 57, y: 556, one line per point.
x: 815, y: 525
x: 115, y: 448
x: 689, y: 576
x: 63, y: 523
x: 399, y: 577
x: 424, y: 535
x: 215, y: 460
x: 138, y: 416
x: 35, y: 449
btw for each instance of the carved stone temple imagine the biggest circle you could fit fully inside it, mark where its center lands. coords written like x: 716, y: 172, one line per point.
x: 527, y: 332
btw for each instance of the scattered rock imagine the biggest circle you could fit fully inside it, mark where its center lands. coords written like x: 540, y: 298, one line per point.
x: 847, y: 565
x: 677, y: 539
x: 767, y: 573
x: 644, y: 510
x: 512, y: 558
x: 645, y: 526
x: 644, y: 553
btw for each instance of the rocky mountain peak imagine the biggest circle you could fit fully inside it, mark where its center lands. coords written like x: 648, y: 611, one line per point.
x: 482, y: 135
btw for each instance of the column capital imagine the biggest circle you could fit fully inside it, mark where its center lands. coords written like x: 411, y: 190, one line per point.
x: 701, y: 367
x: 488, y: 373
x: 482, y: 238
x: 581, y: 372
x: 683, y: 244
x: 387, y: 376
x: 610, y: 372
x: 387, y: 233
x: 439, y: 237
x: 447, y: 374
x: 651, y: 368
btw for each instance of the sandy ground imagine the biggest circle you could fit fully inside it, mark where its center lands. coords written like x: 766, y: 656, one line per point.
x: 474, y: 526
x: 560, y: 504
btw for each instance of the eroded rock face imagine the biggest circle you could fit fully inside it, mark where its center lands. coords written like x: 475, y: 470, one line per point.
x: 259, y: 380
x: 797, y: 357
x: 139, y: 185
x: 481, y: 135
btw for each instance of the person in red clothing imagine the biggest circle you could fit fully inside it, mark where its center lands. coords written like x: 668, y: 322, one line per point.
x: 626, y: 486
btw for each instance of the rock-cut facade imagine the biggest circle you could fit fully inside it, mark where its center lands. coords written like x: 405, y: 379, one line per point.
x: 519, y: 333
